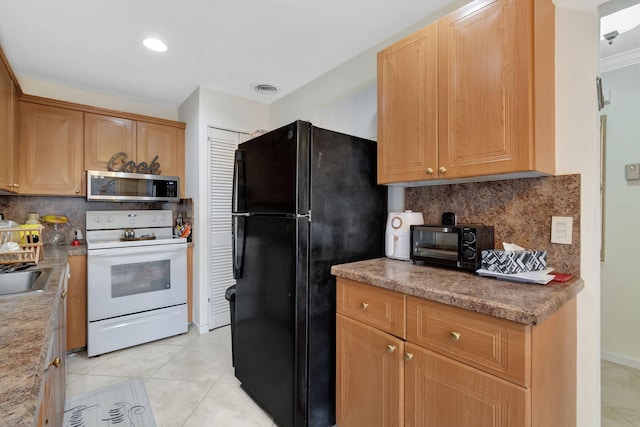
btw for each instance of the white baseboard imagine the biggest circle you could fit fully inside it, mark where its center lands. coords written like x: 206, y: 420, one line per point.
x: 620, y: 359
x: 202, y: 329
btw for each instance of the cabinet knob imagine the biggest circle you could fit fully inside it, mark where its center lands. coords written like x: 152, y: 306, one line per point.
x: 364, y: 305
x: 408, y: 357
x: 455, y: 336
x: 391, y: 348
x: 13, y: 185
x: 442, y: 169
x: 55, y: 362
x: 429, y: 171
x: 77, y: 191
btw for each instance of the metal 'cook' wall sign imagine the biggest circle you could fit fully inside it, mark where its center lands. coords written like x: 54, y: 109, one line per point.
x: 119, y: 163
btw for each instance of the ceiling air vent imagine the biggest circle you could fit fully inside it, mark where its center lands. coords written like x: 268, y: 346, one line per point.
x: 265, y: 88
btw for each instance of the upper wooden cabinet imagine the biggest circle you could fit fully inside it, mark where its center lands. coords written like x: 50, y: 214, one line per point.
x: 408, y: 108
x: 142, y: 141
x: 494, y: 103
x: 8, y: 128
x: 105, y: 136
x: 50, y: 150
x: 166, y: 142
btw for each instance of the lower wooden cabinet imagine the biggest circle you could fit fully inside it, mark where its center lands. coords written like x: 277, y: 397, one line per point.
x: 369, y: 375
x: 454, y: 367
x: 77, y: 304
x: 52, y: 392
x: 442, y: 392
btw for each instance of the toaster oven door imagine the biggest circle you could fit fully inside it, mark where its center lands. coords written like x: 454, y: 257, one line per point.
x: 437, y: 245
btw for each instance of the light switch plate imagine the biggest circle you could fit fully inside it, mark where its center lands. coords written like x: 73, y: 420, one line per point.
x: 561, y: 229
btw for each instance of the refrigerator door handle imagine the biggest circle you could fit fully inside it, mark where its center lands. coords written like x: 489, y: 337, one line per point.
x: 238, y: 245
x: 307, y: 215
x: 238, y: 189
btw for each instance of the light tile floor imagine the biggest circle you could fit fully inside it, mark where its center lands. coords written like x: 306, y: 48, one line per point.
x: 189, y: 380
x: 620, y: 395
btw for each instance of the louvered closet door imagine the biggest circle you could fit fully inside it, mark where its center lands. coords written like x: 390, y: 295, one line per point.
x: 223, y: 144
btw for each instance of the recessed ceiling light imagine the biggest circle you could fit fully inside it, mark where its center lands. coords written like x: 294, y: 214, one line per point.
x: 155, y: 45
x: 265, y: 88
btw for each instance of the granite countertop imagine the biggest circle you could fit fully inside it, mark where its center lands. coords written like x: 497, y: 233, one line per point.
x: 522, y: 303
x: 26, y: 325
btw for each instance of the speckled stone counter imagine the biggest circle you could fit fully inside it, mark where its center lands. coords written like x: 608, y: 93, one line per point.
x: 522, y: 303
x: 26, y: 325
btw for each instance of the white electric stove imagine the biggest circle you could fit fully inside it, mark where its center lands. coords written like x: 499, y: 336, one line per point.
x: 137, y: 279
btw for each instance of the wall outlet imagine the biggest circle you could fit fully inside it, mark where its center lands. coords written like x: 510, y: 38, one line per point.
x: 561, y: 229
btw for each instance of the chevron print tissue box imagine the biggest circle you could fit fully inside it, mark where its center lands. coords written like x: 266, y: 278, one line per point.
x: 513, y: 262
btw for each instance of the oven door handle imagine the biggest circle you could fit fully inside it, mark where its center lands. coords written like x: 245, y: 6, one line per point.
x: 238, y: 245
x: 133, y: 250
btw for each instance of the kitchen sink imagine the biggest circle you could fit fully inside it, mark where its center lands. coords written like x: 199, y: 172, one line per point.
x: 21, y: 282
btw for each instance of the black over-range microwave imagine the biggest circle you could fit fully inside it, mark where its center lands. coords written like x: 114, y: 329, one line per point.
x: 132, y: 187
x: 459, y: 246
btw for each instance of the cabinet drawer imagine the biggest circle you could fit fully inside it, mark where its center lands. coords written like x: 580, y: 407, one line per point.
x: 377, y: 307
x: 497, y: 346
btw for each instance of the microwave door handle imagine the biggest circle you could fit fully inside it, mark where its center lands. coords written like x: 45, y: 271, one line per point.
x: 238, y: 188
x: 238, y: 245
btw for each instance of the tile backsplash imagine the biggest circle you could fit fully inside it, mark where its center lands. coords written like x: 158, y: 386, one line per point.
x: 17, y: 208
x: 520, y: 211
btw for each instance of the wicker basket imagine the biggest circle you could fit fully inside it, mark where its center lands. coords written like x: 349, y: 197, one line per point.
x: 29, y: 252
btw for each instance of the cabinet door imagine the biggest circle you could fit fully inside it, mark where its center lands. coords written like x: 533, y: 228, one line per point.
x: 8, y: 116
x: 77, y: 303
x: 369, y: 376
x: 408, y: 109
x: 61, y: 338
x: 47, y: 412
x: 105, y: 136
x: 52, y: 396
x: 485, y: 59
x: 442, y: 392
x: 50, y: 150
x: 166, y: 142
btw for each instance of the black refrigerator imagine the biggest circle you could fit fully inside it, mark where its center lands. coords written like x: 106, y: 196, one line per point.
x: 305, y: 198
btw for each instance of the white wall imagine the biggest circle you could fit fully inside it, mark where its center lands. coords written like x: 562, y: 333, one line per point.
x: 620, y: 293
x: 95, y: 99
x: 347, y: 92
x: 344, y: 99
x: 205, y: 108
x: 577, y: 151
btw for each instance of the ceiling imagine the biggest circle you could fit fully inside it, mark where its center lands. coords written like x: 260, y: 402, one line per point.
x: 625, y: 42
x: 225, y: 45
